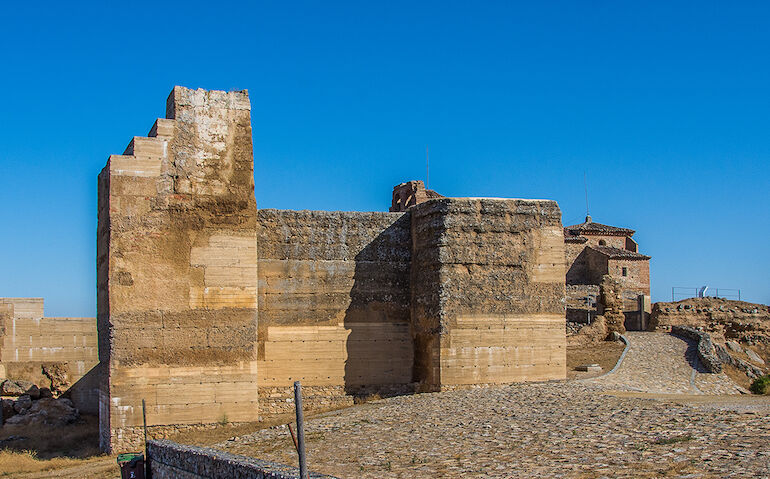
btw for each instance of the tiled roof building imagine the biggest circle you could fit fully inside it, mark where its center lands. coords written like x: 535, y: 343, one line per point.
x: 594, y: 250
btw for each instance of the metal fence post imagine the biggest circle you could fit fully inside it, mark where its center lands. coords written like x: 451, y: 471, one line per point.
x: 300, y: 431
x: 147, y: 467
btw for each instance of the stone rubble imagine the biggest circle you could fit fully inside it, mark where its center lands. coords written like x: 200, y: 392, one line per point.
x: 34, y: 405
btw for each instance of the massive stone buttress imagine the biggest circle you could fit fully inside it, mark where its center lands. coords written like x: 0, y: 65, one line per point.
x: 177, y: 271
x: 487, y: 291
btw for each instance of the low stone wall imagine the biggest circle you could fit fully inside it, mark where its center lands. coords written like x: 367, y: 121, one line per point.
x: 706, y: 352
x: 171, y: 460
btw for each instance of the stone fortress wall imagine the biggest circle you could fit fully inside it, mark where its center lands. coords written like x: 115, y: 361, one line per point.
x: 29, y: 341
x: 334, y: 305
x: 209, y: 309
x: 177, y: 271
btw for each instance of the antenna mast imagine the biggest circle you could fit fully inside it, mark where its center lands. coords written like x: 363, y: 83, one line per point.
x: 427, y: 168
x: 585, y: 185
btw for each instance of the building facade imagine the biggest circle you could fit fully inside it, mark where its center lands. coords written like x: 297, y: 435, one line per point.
x: 594, y: 250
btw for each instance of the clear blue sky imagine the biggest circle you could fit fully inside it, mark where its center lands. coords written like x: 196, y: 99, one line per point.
x: 665, y: 106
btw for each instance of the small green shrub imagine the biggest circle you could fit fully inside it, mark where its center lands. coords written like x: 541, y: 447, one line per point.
x: 223, y: 420
x: 761, y: 385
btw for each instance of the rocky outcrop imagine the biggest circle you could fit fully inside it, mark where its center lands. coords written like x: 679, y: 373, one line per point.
x: 724, y: 319
x: 750, y: 370
x: 58, y: 374
x: 34, y: 405
x: 17, y: 388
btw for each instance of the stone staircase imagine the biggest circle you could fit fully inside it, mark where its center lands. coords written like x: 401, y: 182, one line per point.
x: 144, y: 156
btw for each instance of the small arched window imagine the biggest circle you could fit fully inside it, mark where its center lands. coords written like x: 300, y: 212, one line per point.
x: 602, y: 243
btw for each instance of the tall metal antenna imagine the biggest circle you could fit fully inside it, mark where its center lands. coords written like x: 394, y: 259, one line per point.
x: 585, y: 185
x: 427, y: 168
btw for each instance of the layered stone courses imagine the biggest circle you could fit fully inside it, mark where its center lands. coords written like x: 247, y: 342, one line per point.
x: 177, y: 261
x: 30, y: 342
x: 451, y: 292
x: 488, y: 291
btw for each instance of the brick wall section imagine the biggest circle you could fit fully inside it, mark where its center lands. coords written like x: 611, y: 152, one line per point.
x: 176, y: 267
x: 333, y: 304
x: 609, y: 240
x: 488, y: 291
x: 635, y: 283
x: 169, y: 460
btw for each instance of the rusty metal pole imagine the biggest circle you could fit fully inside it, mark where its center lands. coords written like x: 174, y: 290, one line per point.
x: 300, y: 430
x: 144, y: 424
x: 147, y: 468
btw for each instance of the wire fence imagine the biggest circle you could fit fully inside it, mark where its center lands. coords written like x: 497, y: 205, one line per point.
x: 680, y: 292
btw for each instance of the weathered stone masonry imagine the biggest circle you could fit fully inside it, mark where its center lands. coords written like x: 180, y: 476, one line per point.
x: 206, y: 304
x: 177, y: 270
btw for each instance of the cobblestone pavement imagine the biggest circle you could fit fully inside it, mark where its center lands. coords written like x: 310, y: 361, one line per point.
x: 661, y: 363
x: 571, y: 429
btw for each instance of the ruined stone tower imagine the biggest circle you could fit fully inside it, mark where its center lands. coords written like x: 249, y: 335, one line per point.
x: 177, y: 270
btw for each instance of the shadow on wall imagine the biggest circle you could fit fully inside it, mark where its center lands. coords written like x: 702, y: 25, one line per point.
x: 379, y: 346
x: 85, y: 392
x: 578, y: 270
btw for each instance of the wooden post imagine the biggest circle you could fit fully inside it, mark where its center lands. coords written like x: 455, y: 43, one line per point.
x: 300, y: 431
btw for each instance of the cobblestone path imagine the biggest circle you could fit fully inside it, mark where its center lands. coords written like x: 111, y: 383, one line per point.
x: 571, y: 429
x: 661, y: 363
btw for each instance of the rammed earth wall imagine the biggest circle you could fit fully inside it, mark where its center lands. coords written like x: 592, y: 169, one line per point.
x: 487, y: 291
x: 334, y: 300
x: 177, y: 270
x: 206, y: 304
x: 29, y: 341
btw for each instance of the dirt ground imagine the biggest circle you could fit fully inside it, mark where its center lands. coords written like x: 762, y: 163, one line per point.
x: 603, y: 353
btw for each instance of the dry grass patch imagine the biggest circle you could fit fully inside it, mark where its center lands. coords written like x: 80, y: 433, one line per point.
x: 17, y: 462
x: 77, y: 440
